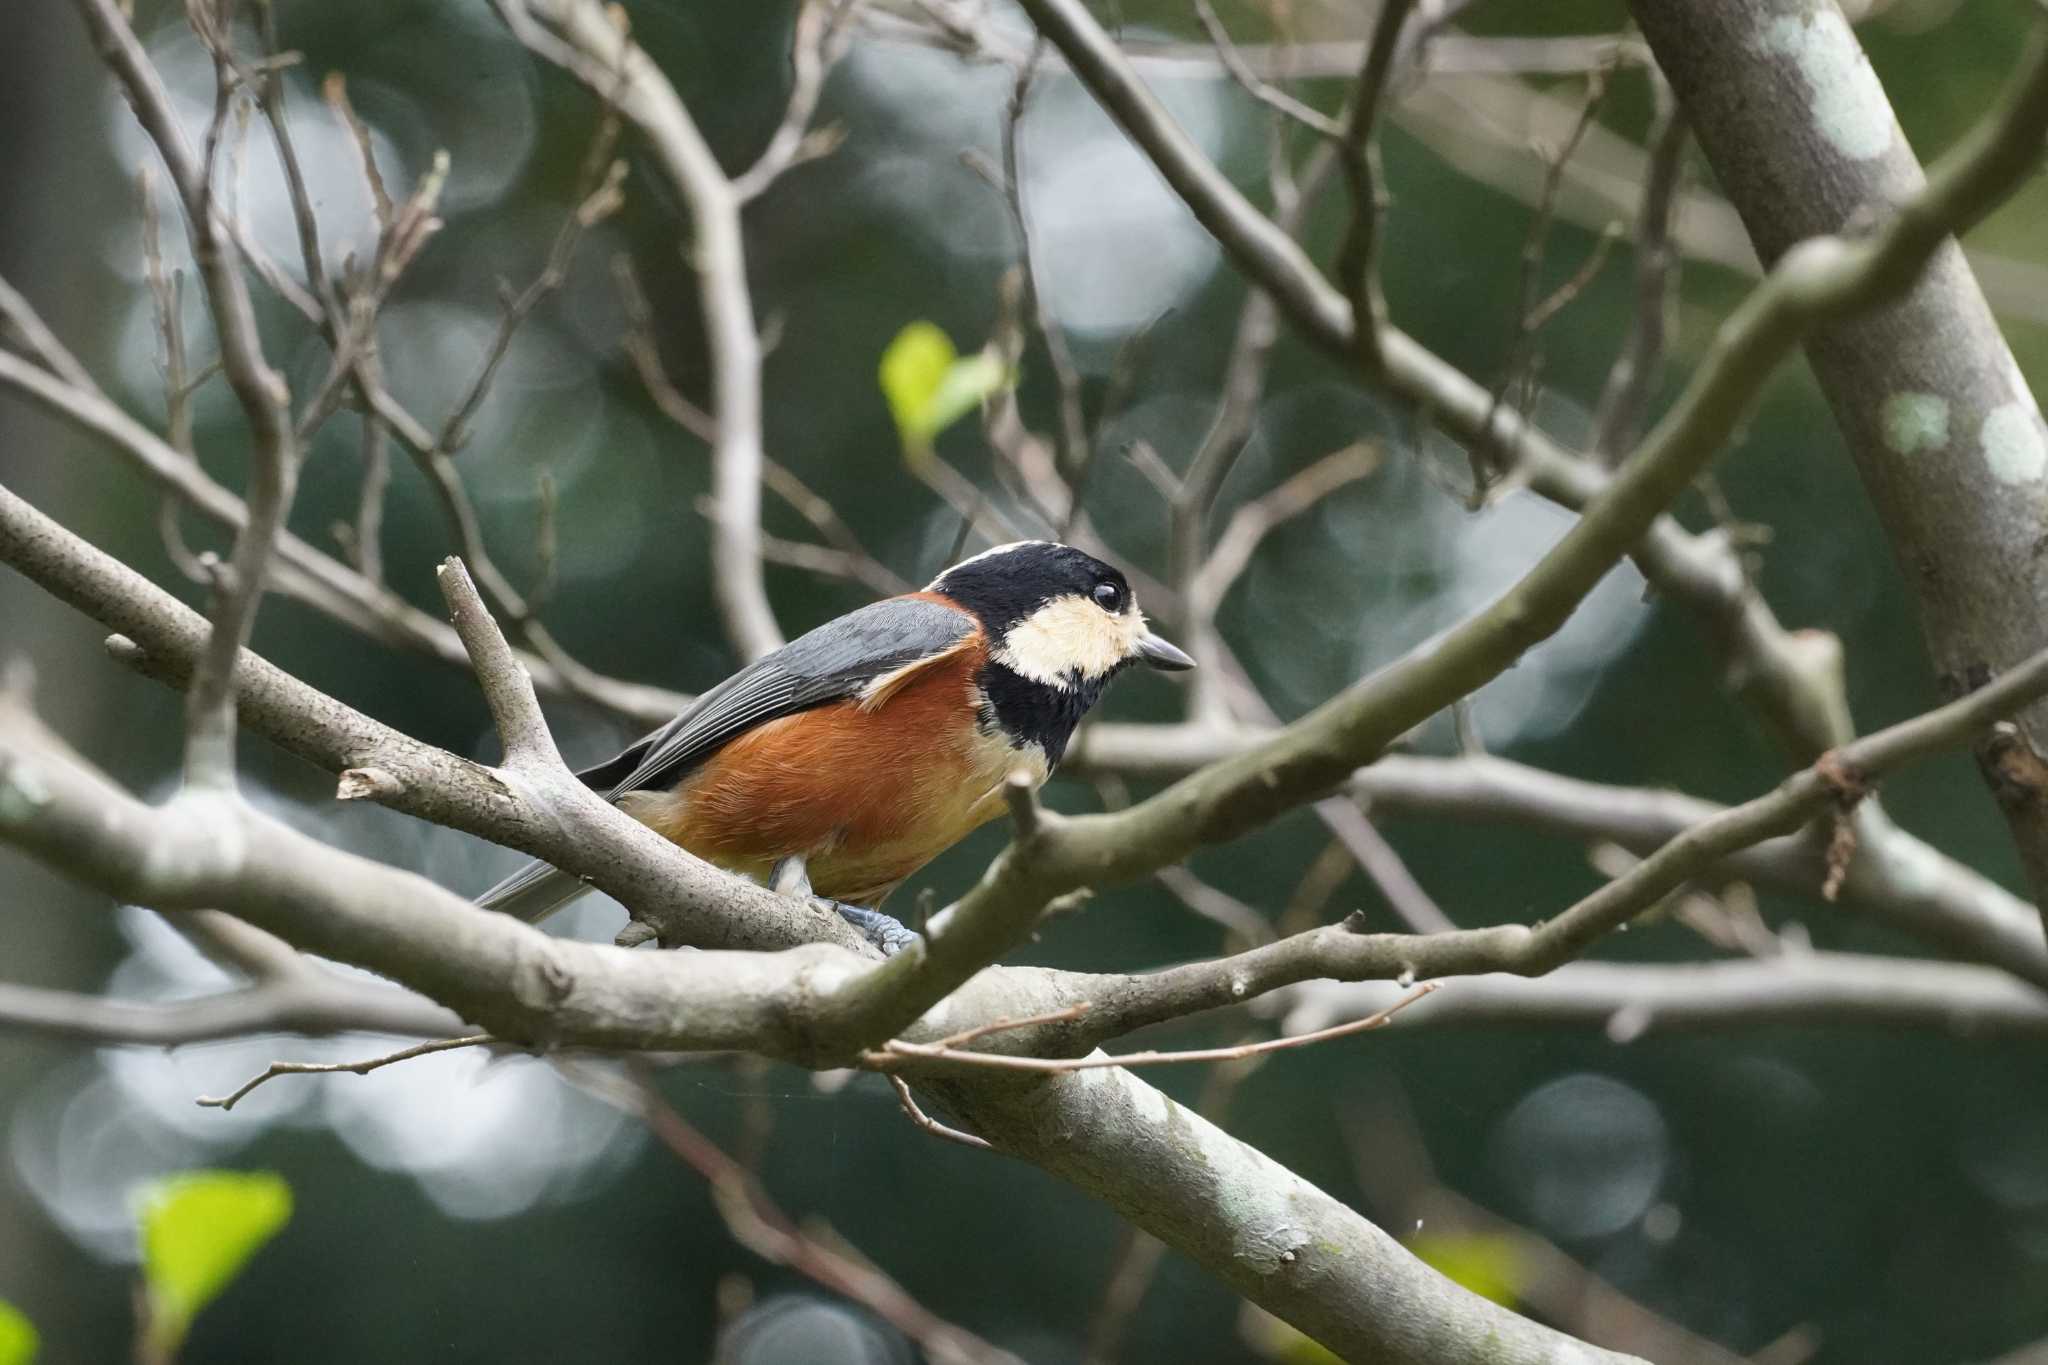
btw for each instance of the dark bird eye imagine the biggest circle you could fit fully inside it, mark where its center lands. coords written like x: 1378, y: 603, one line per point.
x: 1109, y: 597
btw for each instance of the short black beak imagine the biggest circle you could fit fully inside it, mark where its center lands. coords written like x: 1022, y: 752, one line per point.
x: 1162, y: 655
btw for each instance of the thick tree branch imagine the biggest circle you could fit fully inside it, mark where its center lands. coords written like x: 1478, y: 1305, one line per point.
x: 1270, y: 1235
x: 206, y: 849
x: 1938, y: 417
x: 685, y: 899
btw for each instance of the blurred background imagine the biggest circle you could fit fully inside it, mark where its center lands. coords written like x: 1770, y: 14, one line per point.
x: 1881, y: 1196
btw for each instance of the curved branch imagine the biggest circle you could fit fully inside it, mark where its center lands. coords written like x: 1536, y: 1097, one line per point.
x: 301, y: 571
x: 561, y: 821
x: 1271, y: 1235
x: 1629, y: 1000
x: 1340, y: 952
x: 583, y: 39
x: 321, y: 1003
x: 1895, y: 877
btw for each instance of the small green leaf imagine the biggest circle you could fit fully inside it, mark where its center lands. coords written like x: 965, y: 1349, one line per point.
x: 18, y: 1340
x: 930, y: 385
x: 1491, y: 1267
x: 199, y: 1229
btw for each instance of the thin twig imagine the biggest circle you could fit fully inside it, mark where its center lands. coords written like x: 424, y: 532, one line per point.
x: 756, y: 1223
x: 932, y: 1125
x: 1252, y: 522
x: 1006, y: 1025
x: 260, y: 390
x: 1238, y: 920
x: 816, y: 44
x: 894, y: 1052
x: 362, y: 1068
x: 585, y: 37
x: 1274, y: 98
x: 1535, y: 239
x: 1357, y: 267
x: 1633, y: 378
x: 1073, y: 429
x: 641, y: 348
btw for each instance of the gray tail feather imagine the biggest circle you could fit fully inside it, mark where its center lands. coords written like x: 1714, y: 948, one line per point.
x: 533, y: 892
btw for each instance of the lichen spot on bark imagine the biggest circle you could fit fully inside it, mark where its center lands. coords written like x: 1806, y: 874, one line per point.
x: 1915, y: 423
x: 1849, y: 106
x: 2014, y: 447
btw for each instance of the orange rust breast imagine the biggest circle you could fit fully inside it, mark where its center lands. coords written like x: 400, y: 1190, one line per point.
x: 866, y: 792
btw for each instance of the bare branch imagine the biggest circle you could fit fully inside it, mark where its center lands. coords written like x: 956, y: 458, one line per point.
x: 755, y: 1222
x: 816, y: 45
x: 1633, y: 379
x: 318, y: 1004
x: 302, y: 571
x: 1273, y: 1237
x: 1253, y: 521
x: 549, y: 816
x: 1274, y: 98
x: 580, y: 35
x: 931, y: 1125
x: 507, y: 690
x: 1973, y: 566
x: 362, y: 1068
x: 893, y: 1052
x: 1244, y: 926
x: 1357, y: 266
x: 210, y: 708
x: 1629, y: 1000
x: 1344, y: 953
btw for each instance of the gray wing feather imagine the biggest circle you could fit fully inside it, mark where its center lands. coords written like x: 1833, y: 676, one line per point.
x: 836, y: 660
x: 534, y: 892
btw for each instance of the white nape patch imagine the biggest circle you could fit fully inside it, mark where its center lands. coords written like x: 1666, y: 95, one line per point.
x: 1849, y: 106
x: 1068, y: 636
x: 1915, y: 422
x: 989, y: 553
x: 2014, y: 447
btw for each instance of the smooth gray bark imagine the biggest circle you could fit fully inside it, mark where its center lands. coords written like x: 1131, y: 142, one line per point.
x: 1937, y: 416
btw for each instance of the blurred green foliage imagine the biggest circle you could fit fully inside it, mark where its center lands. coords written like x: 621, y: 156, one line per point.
x: 18, y: 1340
x: 199, y: 1229
x: 1488, y: 1265
x: 930, y: 385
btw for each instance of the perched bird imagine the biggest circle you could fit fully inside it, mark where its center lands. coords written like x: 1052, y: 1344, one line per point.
x: 846, y: 760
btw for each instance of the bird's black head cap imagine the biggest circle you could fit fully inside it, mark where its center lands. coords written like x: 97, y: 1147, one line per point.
x: 1005, y: 585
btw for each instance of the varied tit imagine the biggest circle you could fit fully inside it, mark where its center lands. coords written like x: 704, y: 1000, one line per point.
x: 852, y: 756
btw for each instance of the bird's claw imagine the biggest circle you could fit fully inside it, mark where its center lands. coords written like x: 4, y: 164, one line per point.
x: 884, y: 931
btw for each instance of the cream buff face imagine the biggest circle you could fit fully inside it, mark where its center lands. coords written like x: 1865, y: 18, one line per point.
x: 1071, y: 635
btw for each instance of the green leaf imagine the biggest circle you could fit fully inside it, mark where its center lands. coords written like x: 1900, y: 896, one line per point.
x: 930, y: 385
x: 18, y: 1340
x: 1491, y: 1267
x: 199, y: 1228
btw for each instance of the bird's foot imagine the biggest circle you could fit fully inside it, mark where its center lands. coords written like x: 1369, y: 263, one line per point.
x: 789, y: 877
x: 884, y: 931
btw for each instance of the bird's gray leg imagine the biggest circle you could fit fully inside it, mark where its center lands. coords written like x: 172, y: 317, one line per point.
x: 790, y: 877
